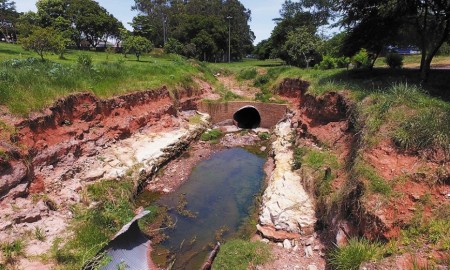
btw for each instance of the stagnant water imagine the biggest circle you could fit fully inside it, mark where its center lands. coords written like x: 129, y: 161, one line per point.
x: 220, y: 191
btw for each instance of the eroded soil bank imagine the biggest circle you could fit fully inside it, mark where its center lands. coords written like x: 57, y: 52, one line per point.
x: 50, y: 158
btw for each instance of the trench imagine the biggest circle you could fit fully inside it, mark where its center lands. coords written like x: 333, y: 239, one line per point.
x: 220, y: 193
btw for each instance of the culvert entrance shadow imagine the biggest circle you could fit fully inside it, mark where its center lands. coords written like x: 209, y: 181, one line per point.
x: 247, y: 117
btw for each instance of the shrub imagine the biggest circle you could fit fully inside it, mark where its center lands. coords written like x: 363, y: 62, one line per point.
x: 328, y: 62
x: 394, y: 60
x: 262, y: 80
x: 241, y: 255
x: 361, y: 59
x: 84, y: 61
x: 342, y: 62
x: 357, y: 251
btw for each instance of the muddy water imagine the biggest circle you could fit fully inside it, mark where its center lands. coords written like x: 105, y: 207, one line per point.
x: 219, y: 192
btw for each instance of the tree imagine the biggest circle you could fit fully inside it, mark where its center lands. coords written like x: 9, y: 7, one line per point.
x: 43, y: 40
x: 426, y: 21
x: 158, y: 9
x: 293, y: 15
x: 137, y: 45
x: 8, y: 17
x: 302, y: 46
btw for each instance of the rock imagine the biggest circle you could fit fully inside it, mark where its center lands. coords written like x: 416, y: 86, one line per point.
x: 286, y: 205
x: 312, y: 267
x: 308, y: 252
x: 28, y: 216
x: 280, y: 244
x: 316, y: 248
x: 287, y: 244
x: 94, y: 175
x: 273, y: 234
x: 265, y: 241
x: 5, y: 225
x: 12, y: 177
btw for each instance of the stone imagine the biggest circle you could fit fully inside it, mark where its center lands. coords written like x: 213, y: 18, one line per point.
x: 310, y: 241
x: 29, y: 216
x: 280, y: 244
x: 287, y: 244
x: 12, y: 177
x: 308, y: 252
x: 276, y: 235
x: 265, y: 241
x: 94, y: 175
x: 286, y: 204
x: 5, y: 225
x: 316, y: 248
x: 312, y: 267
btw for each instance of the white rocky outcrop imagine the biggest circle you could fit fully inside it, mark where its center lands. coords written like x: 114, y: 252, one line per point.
x: 286, y: 205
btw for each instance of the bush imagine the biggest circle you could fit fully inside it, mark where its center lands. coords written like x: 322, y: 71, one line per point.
x: 241, y: 255
x: 342, y: 62
x: 357, y: 251
x: 262, y: 80
x: 84, y: 61
x: 328, y: 62
x: 361, y: 59
x: 394, y: 60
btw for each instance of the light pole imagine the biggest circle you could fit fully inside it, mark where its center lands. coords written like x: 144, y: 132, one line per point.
x: 229, y: 38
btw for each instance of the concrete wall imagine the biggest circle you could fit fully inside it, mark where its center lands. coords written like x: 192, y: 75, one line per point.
x: 270, y: 113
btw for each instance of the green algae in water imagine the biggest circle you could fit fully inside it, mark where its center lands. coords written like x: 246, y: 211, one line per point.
x: 222, y: 191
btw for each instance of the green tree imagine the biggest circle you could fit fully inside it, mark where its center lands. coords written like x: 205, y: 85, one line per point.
x: 137, y: 45
x: 44, y: 40
x: 302, y: 46
x: 8, y: 17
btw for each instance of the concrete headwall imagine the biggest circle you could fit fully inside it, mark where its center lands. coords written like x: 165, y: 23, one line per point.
x: 270, y: 113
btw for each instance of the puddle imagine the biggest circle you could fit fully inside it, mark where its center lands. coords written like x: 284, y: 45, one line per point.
x: 220, y: 193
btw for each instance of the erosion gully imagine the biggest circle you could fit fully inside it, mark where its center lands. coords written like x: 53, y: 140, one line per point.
x: 213, y: 205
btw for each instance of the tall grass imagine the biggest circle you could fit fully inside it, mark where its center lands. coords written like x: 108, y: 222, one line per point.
x: 352, y: 255
x: 28, y: 84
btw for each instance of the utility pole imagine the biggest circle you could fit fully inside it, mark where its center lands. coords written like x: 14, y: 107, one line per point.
x: 229, y: 38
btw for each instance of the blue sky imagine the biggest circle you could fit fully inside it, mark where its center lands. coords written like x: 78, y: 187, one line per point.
x: 263, y: 11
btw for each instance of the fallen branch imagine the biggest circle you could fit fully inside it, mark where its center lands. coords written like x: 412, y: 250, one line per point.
x: 207, y: 265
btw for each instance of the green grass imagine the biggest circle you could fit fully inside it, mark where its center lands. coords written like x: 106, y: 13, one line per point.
x: 352, y: 255
x: 377, y: 184
x: 93, y: 227
x: 318, y: 160
x: 428, y: 233
x: 247, y: 74
x: 28, y: 84
x: 241, y: 255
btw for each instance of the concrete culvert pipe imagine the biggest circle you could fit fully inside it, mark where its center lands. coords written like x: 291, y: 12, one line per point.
x: 247, y: 117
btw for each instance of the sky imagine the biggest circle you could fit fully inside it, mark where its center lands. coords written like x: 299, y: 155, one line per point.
x: 263, y: 11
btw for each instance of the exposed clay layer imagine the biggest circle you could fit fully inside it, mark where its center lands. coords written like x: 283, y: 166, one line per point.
x: 76, y: 125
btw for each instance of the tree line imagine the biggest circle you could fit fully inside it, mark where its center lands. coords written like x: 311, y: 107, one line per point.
x: 194, y: 28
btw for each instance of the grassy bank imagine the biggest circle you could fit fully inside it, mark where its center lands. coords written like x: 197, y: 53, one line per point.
x: 28, y: 84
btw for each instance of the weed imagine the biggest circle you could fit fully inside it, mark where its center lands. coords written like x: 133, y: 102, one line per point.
x: 241, y: 255
x: 262, y: 80
x: 211, y: 135
x: 12, y: 250
x: 195, y: 120
x: 39, y: 234
x: 264, y: 135
x: 357, y: 251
